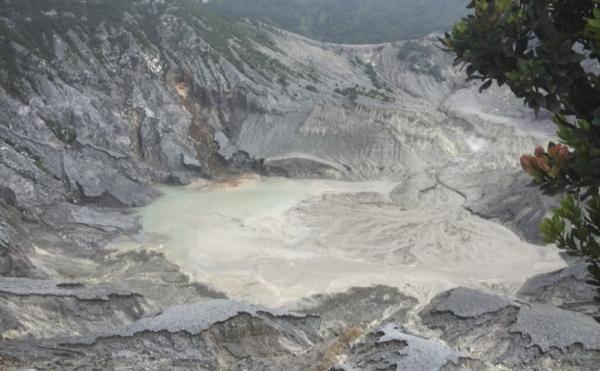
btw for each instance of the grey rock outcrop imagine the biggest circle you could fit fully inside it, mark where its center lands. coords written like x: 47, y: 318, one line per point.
x: 31, y: 287
x: 182, y: 338
x: 389, y: 347
x: 469, y: 303
x: 212, y: 334
x: 357, y: 308
x: 515, y: 335
x: 567, y: 288
x: 44, y: 308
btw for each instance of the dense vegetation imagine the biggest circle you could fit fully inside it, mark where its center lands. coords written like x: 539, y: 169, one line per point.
x: 548, y: 53
x: 350, y: 21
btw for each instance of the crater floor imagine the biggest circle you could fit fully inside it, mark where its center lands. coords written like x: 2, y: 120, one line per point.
x: 275, y: 241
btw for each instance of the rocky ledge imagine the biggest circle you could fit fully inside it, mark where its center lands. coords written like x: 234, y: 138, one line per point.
x: 371, y: 328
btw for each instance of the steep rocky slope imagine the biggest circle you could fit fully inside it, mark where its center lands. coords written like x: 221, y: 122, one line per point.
x: 101, y: 99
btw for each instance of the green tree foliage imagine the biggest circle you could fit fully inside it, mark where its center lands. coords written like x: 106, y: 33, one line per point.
x: 548, y: 53
x: 350, y: 21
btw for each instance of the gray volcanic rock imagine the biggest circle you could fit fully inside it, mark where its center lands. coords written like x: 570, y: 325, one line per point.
x: 512, y: 200
x: 8, y: 257
x: 14, y: 246
x: 357, y: 307
x: 196, y: 318
x: 213, y: 334
x: 566, y: 288
x: 550, y: 327
x: 44, y: 308
x: 103, y: 185
x: 389, y: 347
x: 62, y: 214
x: 30, y: 287
x: 514, y: 335
x: 305, y: 166
x: 466, y: 303
x: 4, y: 234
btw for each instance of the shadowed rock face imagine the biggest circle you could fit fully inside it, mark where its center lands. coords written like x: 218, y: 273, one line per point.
x: 521, y: 210
x: 228, y: 344
x: 43, y: 309
x: 99, y: 99
x: 388, y: 347
x: 216, y: 333
x: 567, y: 288
x: 357, y: 307
x: 516, y: 335
x: 467, y: 303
